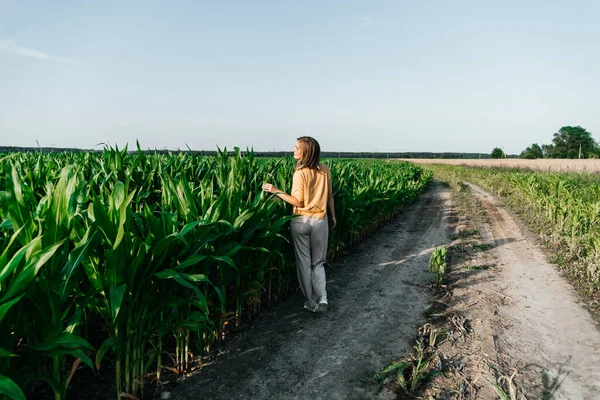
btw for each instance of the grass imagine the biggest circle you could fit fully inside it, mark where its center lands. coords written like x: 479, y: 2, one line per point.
x: 505, y: 384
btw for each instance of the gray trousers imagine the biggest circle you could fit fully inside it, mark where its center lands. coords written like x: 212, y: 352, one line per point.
x: 310, y: 236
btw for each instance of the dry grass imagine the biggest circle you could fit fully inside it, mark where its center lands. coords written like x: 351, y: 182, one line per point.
x: 554, y: 165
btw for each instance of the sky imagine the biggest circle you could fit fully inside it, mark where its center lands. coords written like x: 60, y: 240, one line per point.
x: 387, y: 76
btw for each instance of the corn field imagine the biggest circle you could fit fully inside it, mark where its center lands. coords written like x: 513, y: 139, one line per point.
x: 127, y: 264
x: 564, y: 208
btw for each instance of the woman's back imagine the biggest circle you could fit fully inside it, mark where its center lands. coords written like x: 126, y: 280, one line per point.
x: 312, y: 186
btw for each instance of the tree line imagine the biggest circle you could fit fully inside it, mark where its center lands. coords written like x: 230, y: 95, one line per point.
x: 325, y: 154
x: 568, y: 142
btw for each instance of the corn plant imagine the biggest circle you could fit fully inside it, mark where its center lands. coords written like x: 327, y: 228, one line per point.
x: 410, y: 374
x: 43, y: 270
x: 438, y: 264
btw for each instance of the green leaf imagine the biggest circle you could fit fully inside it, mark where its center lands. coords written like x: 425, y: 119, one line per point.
x: 6, y: 224
x: 10, y: 389
x: 189, y: 227
x: 195, y: 259
x: 74, y: 320
x: 110, y: 343
x: 78, y: 353
x: 14, y: 261
x: 66, y: 340
x: 6, y: 306
x: 77, y: 255
x: 4, y: 256
x: 123, y: 212
x: 31, y: 268
x: 243, y: 217
x: 99, y: 214
x: 5, y: 353
x: 45, y: 255
x: 182, y: 280
x: 116, y: 298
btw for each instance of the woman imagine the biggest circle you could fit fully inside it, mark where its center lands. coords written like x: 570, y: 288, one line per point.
x: 311, y: 197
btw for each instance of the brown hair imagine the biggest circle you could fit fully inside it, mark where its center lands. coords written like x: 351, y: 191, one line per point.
x: 311, y: 153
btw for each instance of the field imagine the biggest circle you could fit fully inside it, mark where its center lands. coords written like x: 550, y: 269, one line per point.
x: 554, y: 165
x: 123, y: 273
x: 125, y: 265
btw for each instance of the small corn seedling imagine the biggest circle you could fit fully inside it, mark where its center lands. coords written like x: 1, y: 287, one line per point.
x: 411, y: 374
x: 437, y: 264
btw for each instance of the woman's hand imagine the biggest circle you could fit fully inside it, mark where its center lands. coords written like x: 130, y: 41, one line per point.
x: 332, y: 222
x: 267, y: 187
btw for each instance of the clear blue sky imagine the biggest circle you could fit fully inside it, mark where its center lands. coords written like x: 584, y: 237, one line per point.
x: 357, y: 75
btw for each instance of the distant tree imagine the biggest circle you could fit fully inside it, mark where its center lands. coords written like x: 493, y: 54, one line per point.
x: 571, y: 142
x: 547, y: 149
x: 497, y: 153
x: 532, y: 152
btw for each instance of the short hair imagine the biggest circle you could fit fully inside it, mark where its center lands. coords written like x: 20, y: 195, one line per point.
x: 311, y: 153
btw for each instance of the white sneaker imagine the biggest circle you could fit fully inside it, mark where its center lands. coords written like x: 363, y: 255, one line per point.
x: 322, y: 304
x: 309, y: 308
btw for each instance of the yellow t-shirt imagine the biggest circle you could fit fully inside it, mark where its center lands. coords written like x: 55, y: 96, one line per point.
x: 313, y: 187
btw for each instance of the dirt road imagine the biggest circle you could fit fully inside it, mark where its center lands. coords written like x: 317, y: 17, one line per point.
x: 540, y: 330
x: 522, y: 315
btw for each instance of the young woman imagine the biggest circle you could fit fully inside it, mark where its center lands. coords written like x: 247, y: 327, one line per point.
x: 312, y: 199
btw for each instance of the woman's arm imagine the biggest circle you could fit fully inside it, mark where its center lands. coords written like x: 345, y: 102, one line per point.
x: 330, y: 202
x: 267, y: 187
x: 331, y: 210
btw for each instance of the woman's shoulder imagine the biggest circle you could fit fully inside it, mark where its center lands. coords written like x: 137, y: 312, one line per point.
x: 321, y: 168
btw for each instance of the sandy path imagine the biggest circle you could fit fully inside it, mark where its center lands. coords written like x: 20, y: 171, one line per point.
x: 541, y: 329
x: 375, y: 310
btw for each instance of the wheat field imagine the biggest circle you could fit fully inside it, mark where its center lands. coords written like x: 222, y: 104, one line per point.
x: 553, y: 165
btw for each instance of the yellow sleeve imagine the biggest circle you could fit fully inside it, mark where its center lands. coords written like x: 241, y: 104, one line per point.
x: 298, y: 186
